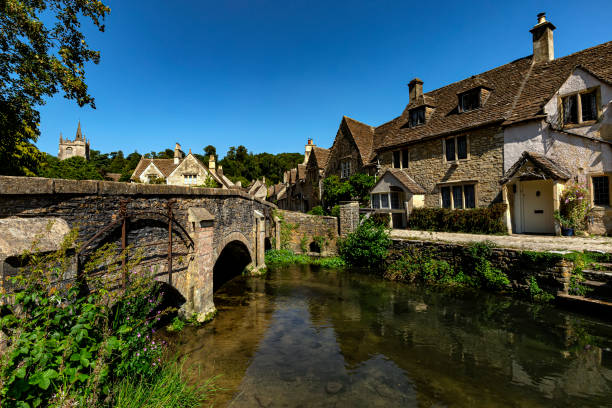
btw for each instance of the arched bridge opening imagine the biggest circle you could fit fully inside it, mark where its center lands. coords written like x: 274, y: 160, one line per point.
x: 232, y: 260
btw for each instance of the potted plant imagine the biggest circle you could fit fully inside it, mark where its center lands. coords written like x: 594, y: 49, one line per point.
x: 573, y: 209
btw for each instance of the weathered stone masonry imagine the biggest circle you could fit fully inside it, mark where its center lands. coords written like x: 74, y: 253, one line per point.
x: 226, y: 218
x: 307, y: 227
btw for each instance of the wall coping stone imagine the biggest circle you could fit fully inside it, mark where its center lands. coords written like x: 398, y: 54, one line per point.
x: 15, y: 185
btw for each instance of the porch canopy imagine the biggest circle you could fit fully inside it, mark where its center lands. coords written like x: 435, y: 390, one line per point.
x: 535, y: 166
x: 397, y: 178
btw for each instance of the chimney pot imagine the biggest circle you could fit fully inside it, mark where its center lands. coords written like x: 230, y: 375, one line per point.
x: 541, y: 18
x: 415, y: 88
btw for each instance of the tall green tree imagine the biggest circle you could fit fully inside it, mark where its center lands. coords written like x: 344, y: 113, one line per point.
x: 42, y: 52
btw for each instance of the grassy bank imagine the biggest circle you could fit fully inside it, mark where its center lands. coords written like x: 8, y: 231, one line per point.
x: 280, y: 257
x: 75, y: 345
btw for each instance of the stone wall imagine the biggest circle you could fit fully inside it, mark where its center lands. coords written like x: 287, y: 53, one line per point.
x: 303, y: 228
x: 552, y: 274
x: 484, y: 165
x: 92, y: 205
x: 344, y: 148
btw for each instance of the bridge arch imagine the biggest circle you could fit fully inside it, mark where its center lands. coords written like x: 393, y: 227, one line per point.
x: 234, y: 253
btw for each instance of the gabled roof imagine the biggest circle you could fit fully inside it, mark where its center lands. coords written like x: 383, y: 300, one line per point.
x: 301, y: 171
x: 321, y: 156
x: 518, y: 92
x: 544, y: 164
x: 165, y: 166
x: 363, y: 135
x: 404, y: 179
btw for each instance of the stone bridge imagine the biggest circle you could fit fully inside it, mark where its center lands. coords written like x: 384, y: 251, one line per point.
x: 210, y: 234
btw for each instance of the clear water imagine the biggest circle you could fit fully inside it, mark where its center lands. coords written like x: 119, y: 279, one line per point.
x: 308, y: 337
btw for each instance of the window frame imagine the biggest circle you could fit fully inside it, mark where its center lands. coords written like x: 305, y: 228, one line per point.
x: 451, y: 191
x: 403, y: 156
x: 190, y: 177
x: 456, y: 147
x: 477, y: 92
x: 592, y: 190
x: 345, y: 168
x: 596, y: 90
x: 422, y: 110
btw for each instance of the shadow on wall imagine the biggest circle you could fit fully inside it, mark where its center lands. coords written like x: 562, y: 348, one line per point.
x: 231, y: 262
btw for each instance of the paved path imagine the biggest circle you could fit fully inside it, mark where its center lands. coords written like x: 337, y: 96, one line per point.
x: 525, y: 242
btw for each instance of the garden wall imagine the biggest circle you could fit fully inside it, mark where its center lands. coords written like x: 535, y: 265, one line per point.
x: 304, y: 231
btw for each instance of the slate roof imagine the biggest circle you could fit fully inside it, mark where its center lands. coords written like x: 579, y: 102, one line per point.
x: 540, y: 161
x: 406, y: 181
x: 363, y: 135
x: 517, y: 92
x: 301, y: 171
x: 166, y: 166
x: 321, y: 155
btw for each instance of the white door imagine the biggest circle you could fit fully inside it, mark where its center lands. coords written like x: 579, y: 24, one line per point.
x: 537, y: 197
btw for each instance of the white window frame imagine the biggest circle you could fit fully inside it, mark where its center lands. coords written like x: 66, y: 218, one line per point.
x: 190, y: 179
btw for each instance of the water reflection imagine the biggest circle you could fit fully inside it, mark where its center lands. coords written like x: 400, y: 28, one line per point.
x: 304, y: 337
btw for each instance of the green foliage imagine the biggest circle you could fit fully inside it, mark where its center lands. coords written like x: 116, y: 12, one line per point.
x: 574, y: 207
x: 304, y: 244
x: 210, y: 183
x: 167, y: 389
x: 43, y: 52
x: 367, y: 246
x: 317, y: 210
x: 416, y: 265
x: 537, y: 294
x: 320, y: 242
x: 474, y: 220
x: 382, y: 219
x: 74, y: 168
x: 286, y: 231
x: 335, y: 211
x: 280, y: 257
x: 358, y: 186
x: 69, y: 347
x: 491, y: 278
x: 240, y: 164
x: 177, y: 325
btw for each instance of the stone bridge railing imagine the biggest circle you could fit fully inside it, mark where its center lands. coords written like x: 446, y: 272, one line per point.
x: 209, y: 223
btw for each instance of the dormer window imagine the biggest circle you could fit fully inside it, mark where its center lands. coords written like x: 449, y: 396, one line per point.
x: 417, y: 117
x: 469, y: 100
x: 579, y: 108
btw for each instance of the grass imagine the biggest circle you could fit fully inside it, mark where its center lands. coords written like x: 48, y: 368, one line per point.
x: 288, y: 257
x: 167, y: 389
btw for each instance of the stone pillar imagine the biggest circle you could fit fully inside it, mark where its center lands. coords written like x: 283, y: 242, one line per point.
x: 197, y: 288
x: 557, y: 190
x: 259, y: 263
x: 277, y: 233
x: 507, y: 219
x: 349, y: 217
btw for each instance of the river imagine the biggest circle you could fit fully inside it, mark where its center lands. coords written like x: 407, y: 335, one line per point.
x: 308, y: 337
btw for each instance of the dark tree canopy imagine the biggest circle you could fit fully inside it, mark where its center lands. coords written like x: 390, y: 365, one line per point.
x: 240, y: 165
x: 40, y: 57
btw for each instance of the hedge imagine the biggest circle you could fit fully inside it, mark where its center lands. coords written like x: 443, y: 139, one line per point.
x: 474, y: 220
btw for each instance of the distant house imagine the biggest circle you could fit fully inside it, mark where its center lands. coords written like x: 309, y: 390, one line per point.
x: 182, y: 170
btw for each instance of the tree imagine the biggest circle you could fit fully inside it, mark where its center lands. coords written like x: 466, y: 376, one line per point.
x: 75, y: 168
x: 43, y: 51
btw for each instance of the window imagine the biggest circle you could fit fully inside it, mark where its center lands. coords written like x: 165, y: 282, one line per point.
x: 190, y: 179
x: 384, y: 201
x: 456, y: 148
x: 469, y: 100
x: 345, y: 167
x: 375, y: 201
x: 400, y: 159
x: 601, y: 190
x: 395, y: 200
x: 417, y: 117
x: 579, y: 107
x: 458, y: 196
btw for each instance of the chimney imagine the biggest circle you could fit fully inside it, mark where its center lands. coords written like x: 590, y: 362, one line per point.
x: 543, y: 46
x: 61, y: 138
x: 177, y: 153
x: 307, y: 150
x: 211, y: 162
x: 220, y: 171
x: 415, y: 88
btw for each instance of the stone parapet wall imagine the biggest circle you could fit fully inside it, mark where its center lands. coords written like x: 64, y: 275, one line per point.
x: 552, y: 274
x: 304, y: 228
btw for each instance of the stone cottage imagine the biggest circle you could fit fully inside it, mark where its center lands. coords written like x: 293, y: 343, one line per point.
x: 182, y: 170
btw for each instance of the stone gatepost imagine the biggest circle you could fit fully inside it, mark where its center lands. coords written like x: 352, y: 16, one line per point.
x: 349, y: 217
x: 197, y: 288
x: 260, y: 242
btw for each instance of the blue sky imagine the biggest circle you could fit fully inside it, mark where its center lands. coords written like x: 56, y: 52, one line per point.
x: 270, y: 74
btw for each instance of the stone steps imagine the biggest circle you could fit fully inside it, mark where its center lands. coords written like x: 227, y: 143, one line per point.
x: 601, y: 308
x: 597, y: 275
x: 599, y: 290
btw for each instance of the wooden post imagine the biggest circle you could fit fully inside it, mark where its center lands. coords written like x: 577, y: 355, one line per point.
x: 170, y: 242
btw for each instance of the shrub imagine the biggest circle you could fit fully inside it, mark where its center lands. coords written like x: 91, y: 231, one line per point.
x: 491, y: 278
x: 318, y: 210
x: 474, y: 220
x: 282, y: 257
x: 381, y: 219
x: 574, y: 207
x: 367, y: 246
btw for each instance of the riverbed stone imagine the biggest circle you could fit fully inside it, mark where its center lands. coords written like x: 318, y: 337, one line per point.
x: 333, y: 387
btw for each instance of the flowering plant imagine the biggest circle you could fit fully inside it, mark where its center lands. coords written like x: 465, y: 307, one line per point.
x: 574, y: 206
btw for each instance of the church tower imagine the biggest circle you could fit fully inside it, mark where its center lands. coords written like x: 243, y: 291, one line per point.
x: 77, y: 147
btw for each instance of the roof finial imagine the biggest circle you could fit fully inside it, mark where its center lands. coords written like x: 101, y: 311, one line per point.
x: 79, y: 134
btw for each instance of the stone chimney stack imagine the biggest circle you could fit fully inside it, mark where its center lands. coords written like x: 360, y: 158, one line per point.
x: 211, y: 162
x: 308, y: 150
x: 415, y: 88
x: 220, y: 171
x: 178, y: 154
x: 543, y: 46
